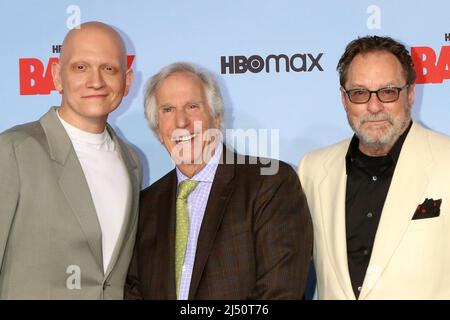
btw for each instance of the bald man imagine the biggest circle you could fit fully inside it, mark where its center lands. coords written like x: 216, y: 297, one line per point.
x: 69, y: 186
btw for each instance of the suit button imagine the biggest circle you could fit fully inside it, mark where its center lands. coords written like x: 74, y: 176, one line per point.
x: 374, y: 178
x: 105, y: 285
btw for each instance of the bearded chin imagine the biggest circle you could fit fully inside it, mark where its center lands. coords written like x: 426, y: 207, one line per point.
x: 392, y: 131
x: 377, y: 142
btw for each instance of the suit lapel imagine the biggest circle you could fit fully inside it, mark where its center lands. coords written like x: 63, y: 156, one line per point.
x: 72, y: 181
x: 221, y: 190
x: 133, y: 202
x: 166, y: 241
x: 410, y: 180
x: 332, y: 195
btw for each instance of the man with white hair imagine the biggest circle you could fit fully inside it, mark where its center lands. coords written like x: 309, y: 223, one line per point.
x: 214, y: 227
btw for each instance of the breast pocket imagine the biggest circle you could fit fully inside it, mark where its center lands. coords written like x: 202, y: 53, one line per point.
x: 426, y: 224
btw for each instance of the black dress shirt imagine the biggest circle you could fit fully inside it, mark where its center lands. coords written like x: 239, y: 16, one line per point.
x: 368, y: 181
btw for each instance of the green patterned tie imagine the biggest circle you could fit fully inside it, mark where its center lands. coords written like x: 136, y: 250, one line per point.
x: 182, y: 227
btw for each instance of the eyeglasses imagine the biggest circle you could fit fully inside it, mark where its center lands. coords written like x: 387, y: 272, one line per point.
x: 388, y: 94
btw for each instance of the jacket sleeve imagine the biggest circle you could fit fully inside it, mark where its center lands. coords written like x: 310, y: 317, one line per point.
x: 9, y: 191
x: 283, y: 231
x: 132, y: 285
x: 132, y: 288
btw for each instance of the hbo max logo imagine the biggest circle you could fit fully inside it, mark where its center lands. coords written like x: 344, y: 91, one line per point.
x: 299, y: 62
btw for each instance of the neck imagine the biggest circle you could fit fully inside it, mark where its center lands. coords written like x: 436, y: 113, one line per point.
x: 190, y: 170
x: 92, y: 125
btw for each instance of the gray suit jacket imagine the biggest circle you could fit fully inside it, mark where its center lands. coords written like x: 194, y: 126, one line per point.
x: 50, y: 237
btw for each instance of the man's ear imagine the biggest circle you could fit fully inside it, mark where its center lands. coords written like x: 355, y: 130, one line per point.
x: 129, y: 76
x: 56, y: 75
x: 411, y: 92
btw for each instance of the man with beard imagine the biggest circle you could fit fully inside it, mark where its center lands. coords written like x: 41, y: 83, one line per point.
x: 378, y: 201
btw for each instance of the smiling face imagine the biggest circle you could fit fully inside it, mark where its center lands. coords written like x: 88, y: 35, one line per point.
x: 92, y: 76
x: 184, y: 120
x: 378, y: 125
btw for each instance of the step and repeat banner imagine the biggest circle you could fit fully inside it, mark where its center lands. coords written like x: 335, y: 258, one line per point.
x: 275, y: 62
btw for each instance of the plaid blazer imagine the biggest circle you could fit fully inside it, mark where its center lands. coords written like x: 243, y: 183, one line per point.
x: 255, y: 240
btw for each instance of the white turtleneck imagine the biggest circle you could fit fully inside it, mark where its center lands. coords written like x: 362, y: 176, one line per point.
x: 108, y: 182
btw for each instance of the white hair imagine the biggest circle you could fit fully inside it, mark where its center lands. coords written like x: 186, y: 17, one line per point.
x: 210, y: 86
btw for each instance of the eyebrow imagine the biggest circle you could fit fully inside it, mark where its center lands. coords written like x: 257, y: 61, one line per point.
x: 165, y: 105
x: 110, y: 63
x: 357, y: 85
x: 72, y: 62
x: 194, y: 102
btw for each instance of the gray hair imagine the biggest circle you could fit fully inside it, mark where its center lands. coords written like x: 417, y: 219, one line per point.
x: 210, y: 86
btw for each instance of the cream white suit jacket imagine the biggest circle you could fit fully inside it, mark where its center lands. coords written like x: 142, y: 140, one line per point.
x: 410, y: 258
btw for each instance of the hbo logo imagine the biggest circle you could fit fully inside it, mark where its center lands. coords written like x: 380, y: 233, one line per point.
x: 299, y: 62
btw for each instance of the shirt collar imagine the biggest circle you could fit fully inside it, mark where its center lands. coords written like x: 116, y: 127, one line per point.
x: 394, y: 153
x: 97, y: 140
x: 208, y: 172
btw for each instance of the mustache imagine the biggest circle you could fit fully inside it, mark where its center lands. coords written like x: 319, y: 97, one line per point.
x: 377, y: 117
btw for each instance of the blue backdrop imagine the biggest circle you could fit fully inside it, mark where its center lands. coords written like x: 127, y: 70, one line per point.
x: 302, y: 102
